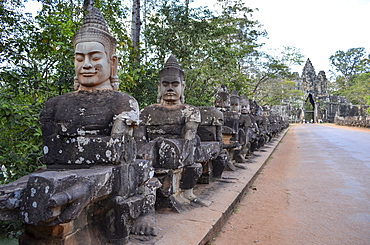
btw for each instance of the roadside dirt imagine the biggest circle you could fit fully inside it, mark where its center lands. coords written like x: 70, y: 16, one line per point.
x: 295, y: 203
x: 261, y: 214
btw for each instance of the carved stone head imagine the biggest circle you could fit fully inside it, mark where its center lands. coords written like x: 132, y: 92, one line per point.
x: 95, y: 62
x: 255, y: 108
x: 252, y: 105
x: 266, y: 111
x: 244, y: 104
x: 235, y: 102
x: 171, y: 83
x: 222, y: 98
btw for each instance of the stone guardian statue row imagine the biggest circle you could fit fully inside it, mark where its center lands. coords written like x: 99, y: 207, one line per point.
x: 110, y: 166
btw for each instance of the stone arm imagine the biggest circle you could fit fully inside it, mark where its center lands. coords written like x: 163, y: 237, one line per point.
x: 190, y: 130
x: 125, y: 123
x: 190, y: 141
x: 123, y: 134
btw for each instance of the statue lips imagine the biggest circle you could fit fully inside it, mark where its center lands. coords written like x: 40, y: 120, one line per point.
x: 244, y: 111
x: 170, y: 96
x: 88, y: 74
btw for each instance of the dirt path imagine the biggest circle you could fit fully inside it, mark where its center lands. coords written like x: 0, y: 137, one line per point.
x: 297, y: 199
x: 262, y: 213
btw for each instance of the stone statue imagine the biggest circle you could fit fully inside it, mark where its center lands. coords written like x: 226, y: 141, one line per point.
x: 89, y: 123
x: 94, y: 188
x: 256, y: 111
x: 167, y: 135
x: 245, y: 123
x: 222, y: 99
x: 229, y: 105
x: 240, y: 105
x: 210, y: 152
x: 256, y: 136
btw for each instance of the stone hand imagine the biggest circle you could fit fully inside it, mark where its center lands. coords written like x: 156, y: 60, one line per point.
x: 70, y: 202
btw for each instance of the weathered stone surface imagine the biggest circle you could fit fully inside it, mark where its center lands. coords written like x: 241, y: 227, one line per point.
x: 55, y: 197
x: 11, y: 199
x: 167, y: 137
x: 207, y: 151
x: 354, y: 121
x: 219, y: 164
x: 93, y: 190
x: 77, y: 129
x: 190, y: 176
x: 140, y: 172
x: 210, y: 127
x: 168, y: 121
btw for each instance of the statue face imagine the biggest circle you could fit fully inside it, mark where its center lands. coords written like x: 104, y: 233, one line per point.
x: 92, y: 65
x: 171, y: 89
x: 244, y: 107
x: 234, y: 105
x: 222, y: 101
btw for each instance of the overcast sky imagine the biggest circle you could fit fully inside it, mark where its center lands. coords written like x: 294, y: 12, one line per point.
x: 318, y: 28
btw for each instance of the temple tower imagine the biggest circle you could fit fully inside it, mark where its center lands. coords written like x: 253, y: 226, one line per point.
x: 309, y: 78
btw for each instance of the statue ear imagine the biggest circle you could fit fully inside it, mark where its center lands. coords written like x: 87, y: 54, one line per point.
x: 159, y: 96
x: 114, y: 65
x: 113, y: 72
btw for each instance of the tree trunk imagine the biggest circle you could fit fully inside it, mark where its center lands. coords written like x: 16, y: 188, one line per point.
x: 135, y: 27
x: 187, y: 8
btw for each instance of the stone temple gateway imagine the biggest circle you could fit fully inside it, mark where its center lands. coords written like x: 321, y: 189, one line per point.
x: 319, y: 105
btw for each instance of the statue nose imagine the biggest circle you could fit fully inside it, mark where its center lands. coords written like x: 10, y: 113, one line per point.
x: 87, y: 64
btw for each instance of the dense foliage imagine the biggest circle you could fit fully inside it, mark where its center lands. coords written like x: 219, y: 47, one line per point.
x: 36, y: 61
x: 354, y: 79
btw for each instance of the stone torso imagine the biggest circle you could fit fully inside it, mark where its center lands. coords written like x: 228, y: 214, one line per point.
x: 85, y: 113
x: 77, y: 129
x: 168, y: 121
x: 245, y: 121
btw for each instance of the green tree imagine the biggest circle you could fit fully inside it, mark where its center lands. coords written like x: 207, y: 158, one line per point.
x: 211, y: 48
x: 360, y: 89
x: 353, y: 83
x: 276, y: 90
x: 36, y: 57
x: 271, y: 77
x: 349, y: 63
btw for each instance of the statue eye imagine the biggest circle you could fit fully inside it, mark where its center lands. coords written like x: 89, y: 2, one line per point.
x: 96, y: 58
x: 79, y: 58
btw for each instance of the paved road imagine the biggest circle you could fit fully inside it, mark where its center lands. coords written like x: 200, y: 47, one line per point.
x: 314, y: 190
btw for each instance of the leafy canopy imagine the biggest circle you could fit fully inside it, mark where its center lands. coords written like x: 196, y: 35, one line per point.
x: 36, y: 61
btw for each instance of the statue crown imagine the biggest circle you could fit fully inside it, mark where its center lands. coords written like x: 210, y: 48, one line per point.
x: 171, y: 67
x: 94, y: 29
x: 234, y: 93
